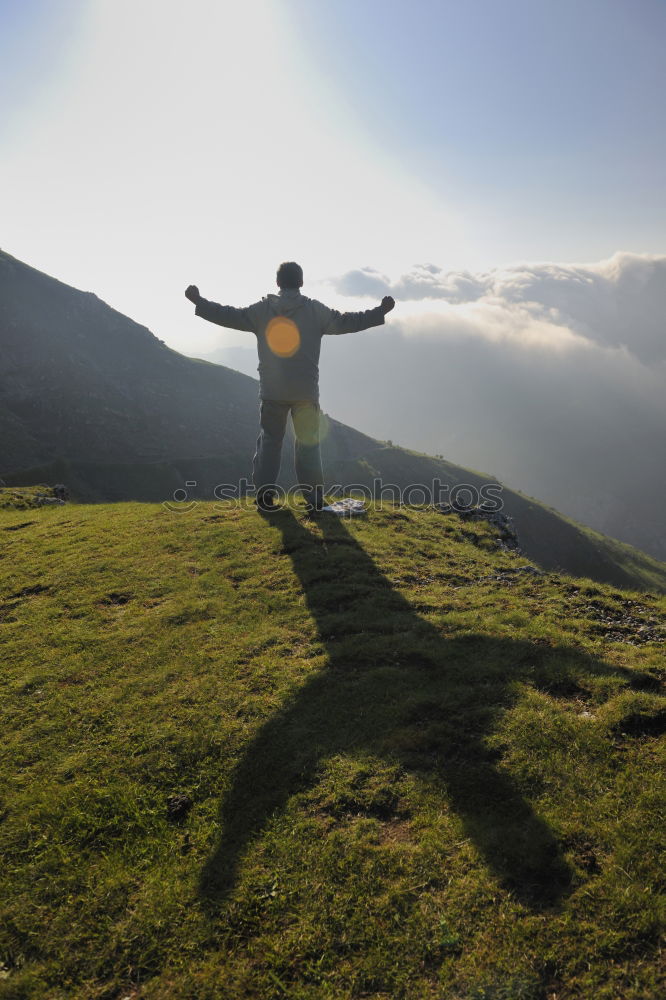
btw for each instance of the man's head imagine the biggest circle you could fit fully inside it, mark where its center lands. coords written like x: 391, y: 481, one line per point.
x: 290, y: 275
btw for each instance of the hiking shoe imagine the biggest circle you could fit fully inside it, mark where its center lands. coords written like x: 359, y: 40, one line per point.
x: 266, y: 502
x: 314, y: 500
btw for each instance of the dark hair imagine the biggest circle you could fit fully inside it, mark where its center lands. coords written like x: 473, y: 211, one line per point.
x: 290, y: 275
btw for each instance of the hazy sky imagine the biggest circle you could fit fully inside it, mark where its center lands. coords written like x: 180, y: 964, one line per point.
x: 147, y: 145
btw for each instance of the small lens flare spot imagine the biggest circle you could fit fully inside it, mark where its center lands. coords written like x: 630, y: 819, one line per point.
x: 283, y: 337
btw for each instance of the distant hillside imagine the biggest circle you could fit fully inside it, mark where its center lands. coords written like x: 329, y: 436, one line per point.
x: 92, y: 399
x: 84, y: 385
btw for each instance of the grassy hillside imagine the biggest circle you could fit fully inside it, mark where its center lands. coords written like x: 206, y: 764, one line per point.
x: 555, y: 542
x: 267, y: 757
x: 546, y: 536
x: 81, y: 381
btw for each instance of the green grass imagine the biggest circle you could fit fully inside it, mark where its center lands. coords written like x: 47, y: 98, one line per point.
x: 413, y: 773
x: 22, y: 497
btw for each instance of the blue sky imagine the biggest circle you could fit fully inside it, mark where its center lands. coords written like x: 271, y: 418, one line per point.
x: 547, y: 113
x: 146, y: 145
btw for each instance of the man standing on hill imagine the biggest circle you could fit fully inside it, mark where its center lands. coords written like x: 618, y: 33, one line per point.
x: 289, y: 327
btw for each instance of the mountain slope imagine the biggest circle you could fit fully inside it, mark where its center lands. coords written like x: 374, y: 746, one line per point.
x: 263, y: 757
x: 94, y: 400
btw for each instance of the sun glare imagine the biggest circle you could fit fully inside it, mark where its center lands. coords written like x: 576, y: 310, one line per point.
x: 283, y: 337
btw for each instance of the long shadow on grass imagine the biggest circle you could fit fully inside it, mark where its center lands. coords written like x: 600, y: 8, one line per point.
x: 395, y: 686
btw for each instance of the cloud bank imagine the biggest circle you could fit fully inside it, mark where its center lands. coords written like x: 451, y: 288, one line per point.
x: 619, y: 302
x: 552, y: 377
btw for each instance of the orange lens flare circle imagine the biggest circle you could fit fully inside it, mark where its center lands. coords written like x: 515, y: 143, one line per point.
x: 283, y: 337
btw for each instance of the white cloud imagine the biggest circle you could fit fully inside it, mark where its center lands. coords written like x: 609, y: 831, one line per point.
x: 619, y: 302
x: 551, y: 377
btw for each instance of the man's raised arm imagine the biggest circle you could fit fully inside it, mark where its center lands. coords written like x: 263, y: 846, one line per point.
x: 352, y: 322
x: 237, y: 319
